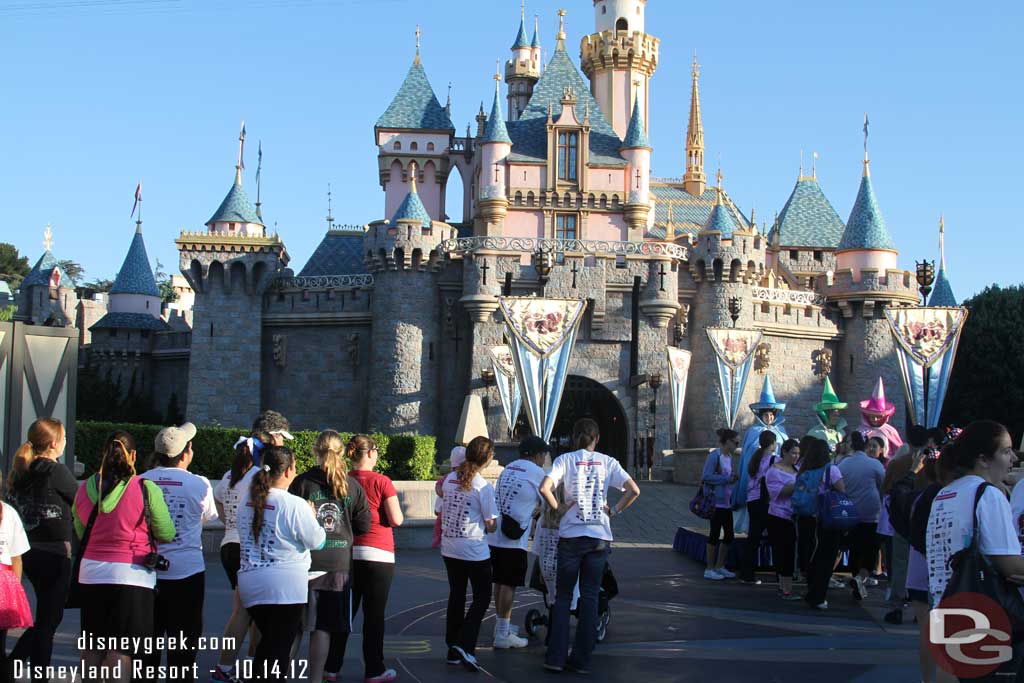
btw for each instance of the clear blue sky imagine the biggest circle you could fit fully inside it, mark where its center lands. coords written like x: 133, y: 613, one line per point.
x: 97, y: 94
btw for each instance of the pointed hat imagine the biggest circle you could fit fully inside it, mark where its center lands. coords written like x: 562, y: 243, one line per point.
x: 829, y: 400
x: 877, y: 405
x: 767, y: 401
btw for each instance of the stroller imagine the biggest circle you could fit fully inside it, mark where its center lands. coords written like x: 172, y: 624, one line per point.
x: 543, y: 579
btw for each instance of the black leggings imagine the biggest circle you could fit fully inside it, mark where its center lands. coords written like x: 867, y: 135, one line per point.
x: 782, y: 532
x: 279, y: 626
x: 822, y: 563
x: 721, y: 521
x: 50, y: 575
x: 864, y: 547
x: 757, y: 511
x: 179, y: 610
x: 371, y: 583
x: 806, y: 540
x: 462, y: 627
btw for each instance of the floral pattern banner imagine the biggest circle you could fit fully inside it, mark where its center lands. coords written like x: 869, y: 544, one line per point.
x: 507, y: 385
x: 543, y: 325
x: 678, y: 371
x: 734, y: 347
x: 501, y: 356
x: 924, y: 332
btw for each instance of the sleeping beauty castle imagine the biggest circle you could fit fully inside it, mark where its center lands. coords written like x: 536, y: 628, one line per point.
x: 390, y: 324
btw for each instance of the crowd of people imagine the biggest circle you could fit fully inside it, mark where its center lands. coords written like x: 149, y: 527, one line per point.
x: 901, y: 512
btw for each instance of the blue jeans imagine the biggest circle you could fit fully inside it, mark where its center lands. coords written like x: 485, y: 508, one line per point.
x: 583, y: 558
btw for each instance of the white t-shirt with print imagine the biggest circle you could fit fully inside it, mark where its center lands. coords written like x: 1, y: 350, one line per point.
x: 189, y: 499
x: 274, y: 569
x: 1017, y: 508
x: 228, y: 496
x: 518, y: 495
x: 951, y: 525
x: 13, y: 540
x: 587, y: 476
x: 463, y: 513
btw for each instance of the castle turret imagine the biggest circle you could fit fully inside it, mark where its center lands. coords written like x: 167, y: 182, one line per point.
x: 866, y: 244
x: 694, y: 180
x: 495, y: 146
x: 522, y: 71
x: 46, y: 296
x: 236, y: 214
x: 637, y: 151
x: 228, y: 271
x: 402, y: 253
x: 619, y: 59
x: 535, y: 51
x: 942, y: 292
x: 415, y: 128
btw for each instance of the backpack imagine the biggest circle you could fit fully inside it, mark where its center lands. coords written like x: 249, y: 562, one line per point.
x: 805, y: 494
x: 919, y: 514
x: 765, y: 496
x: 901, y: 501
x: 837, y: 511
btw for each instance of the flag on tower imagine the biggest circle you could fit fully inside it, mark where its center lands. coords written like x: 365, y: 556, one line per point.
x: 259, y: 161
x: 138, y: 198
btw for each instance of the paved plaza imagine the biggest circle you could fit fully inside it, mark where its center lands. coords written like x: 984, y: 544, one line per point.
x: 667, y: 624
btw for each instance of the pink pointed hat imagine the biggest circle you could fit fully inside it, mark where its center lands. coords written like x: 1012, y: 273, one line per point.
x: 877, y: 405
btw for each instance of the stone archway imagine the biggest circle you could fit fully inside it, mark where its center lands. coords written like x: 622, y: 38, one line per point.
x: 583, y: 397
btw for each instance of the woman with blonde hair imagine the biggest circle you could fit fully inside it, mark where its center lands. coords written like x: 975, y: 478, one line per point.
x: 373, y: 562
x: 342, y: 512
x: 42, y: 489
x: 469, y: 511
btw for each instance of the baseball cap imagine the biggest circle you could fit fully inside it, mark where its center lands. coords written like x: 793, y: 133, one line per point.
x: 171, y: 441
x: 532, y: 445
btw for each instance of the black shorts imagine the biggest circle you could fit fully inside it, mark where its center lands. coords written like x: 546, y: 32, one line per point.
x: 231, y: 558
x: 328, y: 610
x: 113, y: 611
x: 508, y: 566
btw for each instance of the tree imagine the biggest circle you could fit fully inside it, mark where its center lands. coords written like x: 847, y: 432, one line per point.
x: 988, y: 378
x: 7, y: 313
x: 13, y: 266
x: 73, y: 270
x: 99, y: 285
x: 163, y: 283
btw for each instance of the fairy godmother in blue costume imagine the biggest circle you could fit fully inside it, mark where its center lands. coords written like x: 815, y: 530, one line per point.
x: 767, y: 415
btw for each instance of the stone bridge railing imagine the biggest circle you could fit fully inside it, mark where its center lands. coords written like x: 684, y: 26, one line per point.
x: 362, y: 281
x: 787, y: 296
x: 558, y: 246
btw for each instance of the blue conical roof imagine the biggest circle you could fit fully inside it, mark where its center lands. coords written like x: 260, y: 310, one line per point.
x: 866, y: 228
x: 496, y: 131
x: 636, y: 134
x: 521, y: 40
x: 136, y: 276
x: 942, y: 294
x: 808, y: 218
x: 40, y: 273
x: 236, y: 207
x: 412, y: 208
x: 536, y: 38
x: 415, y: 105
x: 721, y: 220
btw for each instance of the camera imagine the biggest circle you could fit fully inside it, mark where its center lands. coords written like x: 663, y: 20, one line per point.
x: 156, y: 561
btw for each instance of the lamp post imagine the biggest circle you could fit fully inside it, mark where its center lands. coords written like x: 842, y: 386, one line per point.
x: 925, y: 278
x: 542, y: 263
x: 734, y: 309
x: 654, y: 380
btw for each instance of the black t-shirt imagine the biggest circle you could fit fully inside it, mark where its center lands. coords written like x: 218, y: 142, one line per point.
x: 342, y: 520
x: 43, y: 497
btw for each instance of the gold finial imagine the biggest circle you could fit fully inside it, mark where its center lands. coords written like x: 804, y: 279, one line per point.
x: 867, y: 170
x: 412, y: 176
x: 47, y: 238
x: 497, y: 72
x: 694, y: 180
x: 419, y: 32
x: 522, y: 9
x: 814, y: 165
x: 801, y: 173
x: 241, y: 155
x: 718, y: 188
x: 696, y: 66
x: 942, y: 242
x: 561, y: 28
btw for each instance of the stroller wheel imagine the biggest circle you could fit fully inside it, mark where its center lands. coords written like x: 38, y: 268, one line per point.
x: 534, y: 620
x: 603, y: 619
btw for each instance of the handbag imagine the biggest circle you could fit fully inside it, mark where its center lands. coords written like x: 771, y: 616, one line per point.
x: 703, y: 504
x: 74, y: 599
x: 510, y: 528
x: 973, y: 573
x: 835, y: 509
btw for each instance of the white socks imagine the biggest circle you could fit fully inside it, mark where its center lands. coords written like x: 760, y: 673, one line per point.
x: 501, y: 629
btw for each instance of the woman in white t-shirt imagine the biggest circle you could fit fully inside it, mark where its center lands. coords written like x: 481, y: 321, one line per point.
x: 14, y: 608
x: 277, y: 530
x: 981, y: 455
x: 468, y: 512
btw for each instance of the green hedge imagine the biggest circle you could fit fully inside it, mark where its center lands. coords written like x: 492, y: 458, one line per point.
x: 402, y: 456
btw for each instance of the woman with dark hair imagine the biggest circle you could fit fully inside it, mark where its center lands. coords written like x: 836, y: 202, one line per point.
x: 780, y: 481
x: 42, y: 489
x: 718, y: 473
x: 863, y: 474
x: 815, y: 467
x: 227, y: 493
x: 277, y: 530
x: 468, y: 512
x: 757, y: 503
x: 124, y: 516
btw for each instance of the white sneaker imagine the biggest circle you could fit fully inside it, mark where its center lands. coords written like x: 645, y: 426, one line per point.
x: 726, y: 574
x: 712, y: 575
x: 822, y: 606
x: 509, y: 641
x: 513, y: 629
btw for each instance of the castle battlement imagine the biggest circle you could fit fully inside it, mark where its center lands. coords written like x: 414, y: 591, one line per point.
x: 736, y: 259
x: 619, y: 50
x: 899, y: 285
x: 406, y: 245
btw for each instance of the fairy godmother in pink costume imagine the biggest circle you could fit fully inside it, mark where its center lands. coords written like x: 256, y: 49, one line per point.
x: 874, y: 420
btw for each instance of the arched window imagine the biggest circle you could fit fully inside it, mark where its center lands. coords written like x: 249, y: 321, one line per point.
x: 430, y: 146
x: 621, y: 24
x: 568, y: 144
x: 398, y: 145
x: 413, y: 146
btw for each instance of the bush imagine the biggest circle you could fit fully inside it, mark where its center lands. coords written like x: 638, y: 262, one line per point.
x: 402, y: 456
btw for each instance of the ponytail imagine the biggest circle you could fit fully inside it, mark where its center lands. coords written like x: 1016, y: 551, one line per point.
x: 328, y: 448
x: 276, y: 461
x: 478, y: 453
x: 245, y: 458
x: 41, y: 433
x: 765, y: 441
x: 358, y: 447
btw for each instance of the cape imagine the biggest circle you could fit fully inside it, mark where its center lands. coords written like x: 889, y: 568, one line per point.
x: 829, y: 434
x: 889, y: 435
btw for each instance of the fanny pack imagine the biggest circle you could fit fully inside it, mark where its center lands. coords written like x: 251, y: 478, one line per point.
x: 510, y: 528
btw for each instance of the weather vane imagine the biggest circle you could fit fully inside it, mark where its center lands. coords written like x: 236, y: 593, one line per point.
x: 47, y: 238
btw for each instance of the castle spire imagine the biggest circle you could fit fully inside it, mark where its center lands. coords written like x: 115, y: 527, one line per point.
x: 330, y: 215
x: 694, y: 181
x: 942, y: 292
x: 535, y: 43
x: 942, y: 242
x: 419, y: 33
x: 495, y: 130
x: 521, y: 41
x: 560, y: 36
x: 412, y: 177
x: 867, y: 170
x: 241, y: 155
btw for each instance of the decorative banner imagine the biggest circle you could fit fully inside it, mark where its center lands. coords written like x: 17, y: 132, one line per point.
x: 508, y: 388
x: 543, y: 332
x: 678, y: 370
x: 734, y: 351
x: 926, y: 343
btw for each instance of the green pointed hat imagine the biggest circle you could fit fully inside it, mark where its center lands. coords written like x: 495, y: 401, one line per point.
x: 829, y: 400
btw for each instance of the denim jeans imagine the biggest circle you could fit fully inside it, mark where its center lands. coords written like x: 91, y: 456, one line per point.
x: 583, y: 558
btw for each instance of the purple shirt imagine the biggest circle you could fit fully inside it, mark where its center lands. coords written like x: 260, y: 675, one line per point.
x: 781, y: 505
x: 721, y: 480
x: 754, y: 483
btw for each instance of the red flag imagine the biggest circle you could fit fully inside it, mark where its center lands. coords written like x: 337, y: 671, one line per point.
x: 138, y: 198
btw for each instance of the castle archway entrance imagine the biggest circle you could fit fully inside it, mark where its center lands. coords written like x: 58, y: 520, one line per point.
x: 583, y: 397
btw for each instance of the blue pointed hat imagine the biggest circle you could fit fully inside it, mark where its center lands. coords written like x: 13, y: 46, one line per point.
x: 767, y: 401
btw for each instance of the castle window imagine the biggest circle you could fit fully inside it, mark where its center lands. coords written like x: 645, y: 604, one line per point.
x: 565, y: 226
x: 818, y: 256
x: 568, y: 144
x: 621, y: 24
x: 414, y: 146
x: 794, y: 254
x: 398, y: 145
x: 430, y: 146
